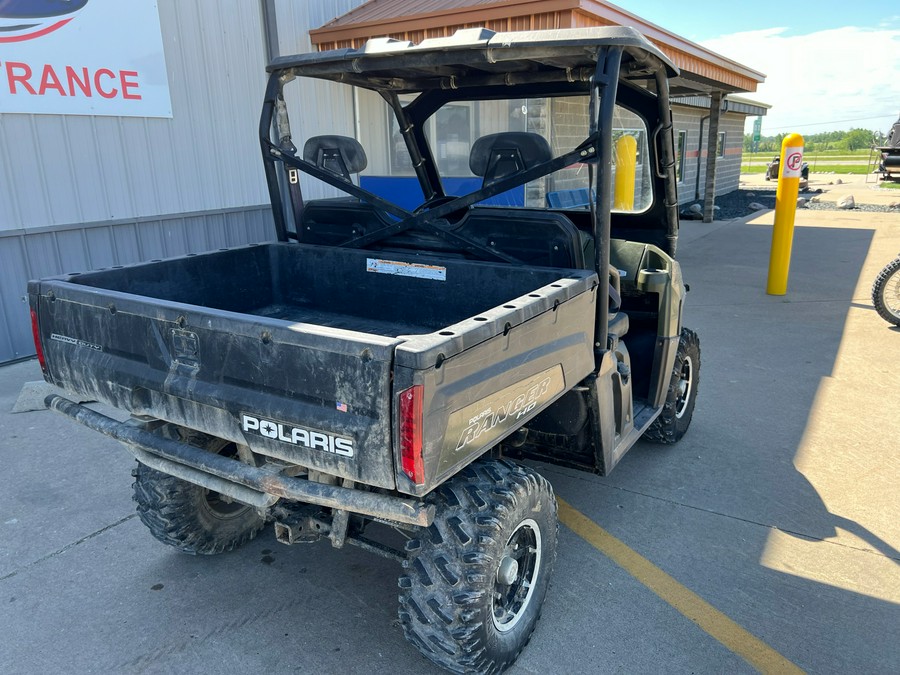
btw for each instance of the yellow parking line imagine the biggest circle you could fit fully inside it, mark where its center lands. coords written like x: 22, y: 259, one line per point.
x: 753, y: 650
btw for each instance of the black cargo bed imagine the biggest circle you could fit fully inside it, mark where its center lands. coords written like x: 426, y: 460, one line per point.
x: 331, y: 319
x: 329, y: 287
x: 305, y: 337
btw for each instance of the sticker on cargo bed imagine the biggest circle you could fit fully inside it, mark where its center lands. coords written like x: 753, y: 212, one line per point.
x: 484, y: 422
x: 404, y: 269
x: 75, y: 341
x: 294, y: 435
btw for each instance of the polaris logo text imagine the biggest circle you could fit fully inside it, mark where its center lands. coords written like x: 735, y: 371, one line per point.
x: 307, y: 438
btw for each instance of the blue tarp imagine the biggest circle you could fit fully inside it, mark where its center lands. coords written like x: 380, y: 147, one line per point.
x: 404, y: 191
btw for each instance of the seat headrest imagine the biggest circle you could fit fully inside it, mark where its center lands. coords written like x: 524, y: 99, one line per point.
x: 532, y: 149
x: 340, y: 155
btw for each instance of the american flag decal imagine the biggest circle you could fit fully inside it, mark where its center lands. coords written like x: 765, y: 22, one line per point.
x: 340, y: 405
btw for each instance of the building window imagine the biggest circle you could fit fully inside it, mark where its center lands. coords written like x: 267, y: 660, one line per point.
x: 680, y: 150
x: 450, y: 135
x: 720, y: 146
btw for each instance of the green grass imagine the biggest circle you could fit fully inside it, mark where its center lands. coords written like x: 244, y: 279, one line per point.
x: 835, y: 155
x: 838, y: 169
x: 891, y: 185
x: 858, y: 169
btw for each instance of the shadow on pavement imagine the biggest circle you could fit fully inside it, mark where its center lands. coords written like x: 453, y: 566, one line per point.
x: 708, y: 511
x: 767, y: 395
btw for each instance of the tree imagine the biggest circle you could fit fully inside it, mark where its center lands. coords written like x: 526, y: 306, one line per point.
x: 855, y: 139
x: 858, y: 139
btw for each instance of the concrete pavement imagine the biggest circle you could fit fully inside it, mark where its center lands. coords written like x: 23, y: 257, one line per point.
x: 778, y: 509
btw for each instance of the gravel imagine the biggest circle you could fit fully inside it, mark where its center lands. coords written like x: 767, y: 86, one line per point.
x: 736, y: 204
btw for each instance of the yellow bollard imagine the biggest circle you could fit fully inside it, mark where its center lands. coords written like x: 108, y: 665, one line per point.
x: 785, y: 210
x: 626, y: 163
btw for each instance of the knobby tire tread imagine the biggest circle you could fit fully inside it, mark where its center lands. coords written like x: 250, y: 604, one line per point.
x: 878, y: 289
x: 168, y: 507
x: 451, y: 570
x: 668, y: 428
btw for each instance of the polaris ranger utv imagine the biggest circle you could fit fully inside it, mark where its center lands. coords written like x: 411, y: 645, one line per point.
x: 467, y: 303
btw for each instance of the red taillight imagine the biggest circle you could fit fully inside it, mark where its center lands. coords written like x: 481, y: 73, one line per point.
x: 37, y: 341
x: 411, y: 434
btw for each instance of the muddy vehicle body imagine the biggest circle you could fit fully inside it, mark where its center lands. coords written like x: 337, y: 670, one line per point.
x: 387, y: 362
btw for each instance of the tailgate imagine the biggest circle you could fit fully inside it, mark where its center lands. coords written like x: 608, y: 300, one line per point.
x: 248, y: 379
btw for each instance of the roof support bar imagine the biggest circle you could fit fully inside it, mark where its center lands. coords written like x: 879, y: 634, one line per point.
x: 406, y: 130
x: 606, y: 80
x: 273, y: 90
x: 667, y: 151
x: 583, y: 153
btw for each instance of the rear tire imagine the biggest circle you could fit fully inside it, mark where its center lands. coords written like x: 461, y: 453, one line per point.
x: 675, y: 418
x: 886, y: 292
x: 189, y: 517
x: 477, y: 577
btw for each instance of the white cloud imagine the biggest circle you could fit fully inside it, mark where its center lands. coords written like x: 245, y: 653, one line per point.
x: 824, y: 77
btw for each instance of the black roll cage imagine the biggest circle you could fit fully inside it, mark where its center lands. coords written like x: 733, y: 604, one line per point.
x: 602, y: 85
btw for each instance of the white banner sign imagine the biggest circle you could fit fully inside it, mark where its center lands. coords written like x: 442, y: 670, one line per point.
x: 82, y: 57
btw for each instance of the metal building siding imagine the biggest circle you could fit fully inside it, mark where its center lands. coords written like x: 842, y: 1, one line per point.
x: 58, y: 170
x: 728, y: 168
x: 316, y: 106
x: 31, y: 255
x: 688, y: 119
x: 68, y: 169
x: 297, y: 18
x: 83, y: 192
x: 14, y: 331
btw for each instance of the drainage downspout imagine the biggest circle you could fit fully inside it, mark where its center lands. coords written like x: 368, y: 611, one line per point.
x: 270, y: 30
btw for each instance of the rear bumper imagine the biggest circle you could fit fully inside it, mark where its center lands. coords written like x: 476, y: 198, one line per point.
x: 258, y: 486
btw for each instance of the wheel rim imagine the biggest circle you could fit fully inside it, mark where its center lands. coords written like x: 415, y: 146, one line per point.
x: 222, y: 507
x: 217, y: 504
x: 891, y: 294
x: 514, y: 581
x: 685, y: 387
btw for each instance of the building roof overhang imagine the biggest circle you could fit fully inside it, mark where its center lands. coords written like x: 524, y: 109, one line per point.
x: 730, y: 104
x: 480, y: 57
x: 701, y: 70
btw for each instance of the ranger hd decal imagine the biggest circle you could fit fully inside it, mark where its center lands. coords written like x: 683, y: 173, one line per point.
x: 295, y: 435
x: 484, y: 422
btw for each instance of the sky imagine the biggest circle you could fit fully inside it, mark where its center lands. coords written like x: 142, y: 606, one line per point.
x: 829, y: 65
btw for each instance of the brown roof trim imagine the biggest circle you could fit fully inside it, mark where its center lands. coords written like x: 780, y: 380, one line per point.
x: 337, y: 30
x: 665, y: 38
x: 689, y: 56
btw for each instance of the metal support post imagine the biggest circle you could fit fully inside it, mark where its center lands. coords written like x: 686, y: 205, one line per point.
x: 785, y: 209
x: 709, y: 192
x: 626, y: 166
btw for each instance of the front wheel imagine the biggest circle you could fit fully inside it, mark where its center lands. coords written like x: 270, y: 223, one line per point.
x: 476, y: 578
x: 886, y: 292
x: 684, y: 383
